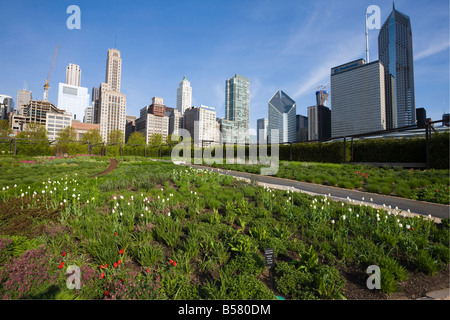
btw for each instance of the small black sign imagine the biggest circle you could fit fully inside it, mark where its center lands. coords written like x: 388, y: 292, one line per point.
x: 268, y: 256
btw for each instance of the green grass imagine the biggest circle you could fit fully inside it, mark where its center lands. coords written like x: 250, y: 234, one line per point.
x: 172, y: 232
x: 388, y: 181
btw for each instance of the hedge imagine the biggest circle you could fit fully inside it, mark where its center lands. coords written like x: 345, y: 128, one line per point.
x: 383, y: 150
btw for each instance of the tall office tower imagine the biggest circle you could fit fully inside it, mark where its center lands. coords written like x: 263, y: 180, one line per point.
x: 201, y: 124
x: 319, y: 123
x: 95, y: 94
x: 23, y: 99
x: 322, y: 97
x: 175, y: 122
x: 282, y: 116
x: 261, y: 130
x: 6, y: 106
x: 302, y: 128
x: 153, y: 120
x: 88, y: 115
x: 111, y: 107
x: 358, y: 98
x: 73, y: 99
x: 184, y: 96
x: 130, y: 126
x: 73, y: 75
x: 395, y: 51
x: 237, y: 106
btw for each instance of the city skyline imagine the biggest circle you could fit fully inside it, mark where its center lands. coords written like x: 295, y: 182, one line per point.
x: 299, y: 67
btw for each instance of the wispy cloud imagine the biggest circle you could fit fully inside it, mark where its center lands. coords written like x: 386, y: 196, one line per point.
x: 432, y: 50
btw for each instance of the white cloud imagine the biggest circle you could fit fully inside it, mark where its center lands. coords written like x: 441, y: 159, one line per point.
x: 431, y: 50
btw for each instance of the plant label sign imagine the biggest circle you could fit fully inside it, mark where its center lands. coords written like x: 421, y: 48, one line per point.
x: 268, y: 256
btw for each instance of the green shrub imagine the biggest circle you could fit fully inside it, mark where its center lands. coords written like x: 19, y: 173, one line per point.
x: 328, y: 283
x: 293, y: 283
x: 424, y: 262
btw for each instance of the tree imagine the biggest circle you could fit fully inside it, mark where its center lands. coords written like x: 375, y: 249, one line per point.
x: 136, y: 138
x: 176, y: 139
x: 34, y: 148
x: 5, y: 129
x: 66, y: 134
x: 34, y: 131
x: 93, y: 136
x: 156, y: 140
x: 115, y: 136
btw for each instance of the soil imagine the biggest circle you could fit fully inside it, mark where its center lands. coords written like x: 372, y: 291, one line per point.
x: 113, y: 163
x: 17, y: 219
x: 416, y: 286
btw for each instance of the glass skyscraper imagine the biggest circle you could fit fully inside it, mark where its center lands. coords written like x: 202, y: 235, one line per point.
x: 395, y: 51
x: 237, y: 105
x: 283, y: 116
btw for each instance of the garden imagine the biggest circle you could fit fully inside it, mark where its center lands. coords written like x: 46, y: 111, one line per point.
x: 155, y: 230
x: 431, y: 185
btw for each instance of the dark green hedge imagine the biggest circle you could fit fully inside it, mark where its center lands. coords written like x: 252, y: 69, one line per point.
x: 404, y: 150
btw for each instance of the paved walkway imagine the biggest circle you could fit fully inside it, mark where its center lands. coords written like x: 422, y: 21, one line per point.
x: 438, y: 211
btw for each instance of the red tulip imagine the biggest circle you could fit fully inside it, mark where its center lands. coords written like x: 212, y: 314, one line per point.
x: 119, y: 262
x: 64, y: 254
x: 121, y: 280
x: 171, y: 261
x: 106, y: 293
x: 115, y: 265
x: 115, y: 233
x: 412, y: 228
x: 121, y: 251
x: 148, y: 270
x: 174, y: 263
x: 102, y: 275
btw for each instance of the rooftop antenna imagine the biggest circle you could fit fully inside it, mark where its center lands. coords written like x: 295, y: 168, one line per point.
x: 367, y: 41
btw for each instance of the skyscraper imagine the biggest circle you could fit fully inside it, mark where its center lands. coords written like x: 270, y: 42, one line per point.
x: 153, y: 120
x: 184, y: 96
x: 111, y: 111
x: 73, y: 75
x: 358, y: 98
x: 319, y: 123
x: 282, y: 116
x: 261, y: 130
x: 302, y: 128
x: 237, y: 105
x: 201, y: 124
x: 395, y: 51
x: 73, y: 99
x: 23, y: 99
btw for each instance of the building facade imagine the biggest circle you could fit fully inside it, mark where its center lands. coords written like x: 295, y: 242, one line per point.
x: 55, y: 122
x: 73, y: 75
x: 201, y: 124
x: 395, y: 51
x: 302, y: 128
x: 319, y: 123
x: 73, y: 99
x: 81, y: 128
x: 176, y: 120
x: 282, y: 117
x: 261, y: 130
x: 130, y: 126
x: 237, y: 106
x: 110, y: 110
x: 24, y: 98
x: 358, y: 99
x: 6, y: 106
x: 153, y: 120
x: 184, y: 96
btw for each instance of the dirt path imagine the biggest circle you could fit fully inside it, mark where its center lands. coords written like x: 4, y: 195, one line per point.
x: 113, y: 163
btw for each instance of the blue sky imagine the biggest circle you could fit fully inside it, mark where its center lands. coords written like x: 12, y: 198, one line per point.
x: 285, y: 44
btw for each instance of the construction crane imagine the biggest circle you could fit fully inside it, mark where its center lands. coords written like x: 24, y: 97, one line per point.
x: 47, y: 82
